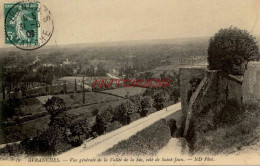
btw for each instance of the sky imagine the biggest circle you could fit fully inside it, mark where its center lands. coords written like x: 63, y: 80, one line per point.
x: 91, y: 21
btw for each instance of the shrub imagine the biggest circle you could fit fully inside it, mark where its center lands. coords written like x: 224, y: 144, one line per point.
x: 123, y: 111
x: 94, y: 112
x: 160, y: 97
x: 231, y: 49
x: 55, y: 106
x: 231, y: 113
x: 134, y: 117
x: 12, y: 150
x: 113, y: 126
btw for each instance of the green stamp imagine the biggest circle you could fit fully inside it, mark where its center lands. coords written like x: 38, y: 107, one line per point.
x: 21, y: 23
x: 28, y: 25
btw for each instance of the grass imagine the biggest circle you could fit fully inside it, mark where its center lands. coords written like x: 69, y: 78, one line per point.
x: 27, y: 129
x: 87, y: 110
x: 31, y: 106
x: 71, y: 79
x: 231, y: 128
x: 146, y: 142
x: 52, y: 89
x: 131, y: 91
x: 168, y: 69
x: 90, y: 97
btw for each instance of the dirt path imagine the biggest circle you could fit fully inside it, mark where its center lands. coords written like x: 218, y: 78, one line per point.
x: 175, y: 147
x: 96, y: 146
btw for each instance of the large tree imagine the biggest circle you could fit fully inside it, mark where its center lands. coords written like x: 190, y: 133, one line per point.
x: 55, y: 106
x: 231, y: 49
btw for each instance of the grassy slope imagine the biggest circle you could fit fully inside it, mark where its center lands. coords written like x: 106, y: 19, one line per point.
x: 86, y: 111
x: 52, y: 89
x: 146, y: 142
x: 91, y: 97
x: 123, y: 91
x: 31, y: 106
x: 234, y: 130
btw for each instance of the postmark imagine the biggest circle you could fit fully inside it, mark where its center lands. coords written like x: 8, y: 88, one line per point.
x: 28, y: 25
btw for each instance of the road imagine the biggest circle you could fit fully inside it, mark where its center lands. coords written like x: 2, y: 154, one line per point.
x: 96, y: 146
x: 112, y: 76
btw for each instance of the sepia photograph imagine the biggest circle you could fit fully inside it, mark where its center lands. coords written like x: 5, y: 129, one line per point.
x: 137, y: 82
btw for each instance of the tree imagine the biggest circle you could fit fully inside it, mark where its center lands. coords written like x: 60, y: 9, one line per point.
x: 160, y: 97
x: 54, y: 106
x: 94, y: 112
x: 80, y: 130
x: 231, y: 49
x: 75, y: 85
x: 102, y: 120
x: 136, y: 100
x: 146, y: 103
x: 123, y: 112
x: 107, y: 115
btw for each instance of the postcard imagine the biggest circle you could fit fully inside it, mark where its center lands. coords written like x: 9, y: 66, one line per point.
x: 139, y: 82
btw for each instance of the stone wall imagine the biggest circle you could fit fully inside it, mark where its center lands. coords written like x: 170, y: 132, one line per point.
x: 186, y: 75
x: 217, y: 87
x: 251, y: 81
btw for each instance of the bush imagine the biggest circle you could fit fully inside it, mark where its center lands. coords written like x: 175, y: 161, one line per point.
x: 134, y: 117
x: 94, y: 112
x: 113, y: 126
x: 232, y: 113
x: 146, y: 142
x: 123, y: 111
x: 12, y: 150
x: 231, y: 49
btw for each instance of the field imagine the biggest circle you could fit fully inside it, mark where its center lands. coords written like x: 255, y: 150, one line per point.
x: 90, y: 97
x: 131, y: 91
x: 56, y: 88
x: 168, y: 69
x: 87, y: 110
x: 27, y: 129
x: 71, y: 79
x: 34, y: 105
x: 31, y: 106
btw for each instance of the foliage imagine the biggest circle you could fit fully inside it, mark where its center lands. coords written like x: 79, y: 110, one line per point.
x: 94, y: 112
x: 7, y: 110
x: 230, y: 50
x: 79, y: 130
x: 54, y: 106
x: 113, y: 126
x: 102, y: 120
x: 66, y: 131
x: 146, y: 103
x: 107, y: 115
x: 160, y: 97
x: 123, y: 112
x: 224, y: 127
x: 136, y: 100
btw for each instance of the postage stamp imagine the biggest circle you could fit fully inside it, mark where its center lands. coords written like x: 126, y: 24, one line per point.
x: 28, y: 25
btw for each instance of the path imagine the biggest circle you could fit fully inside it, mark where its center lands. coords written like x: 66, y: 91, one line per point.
x: 175, y: 147
x: 96, y: 146
x: 112, y: 76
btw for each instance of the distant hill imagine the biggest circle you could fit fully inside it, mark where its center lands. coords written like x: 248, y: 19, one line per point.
x: 120, y: 51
